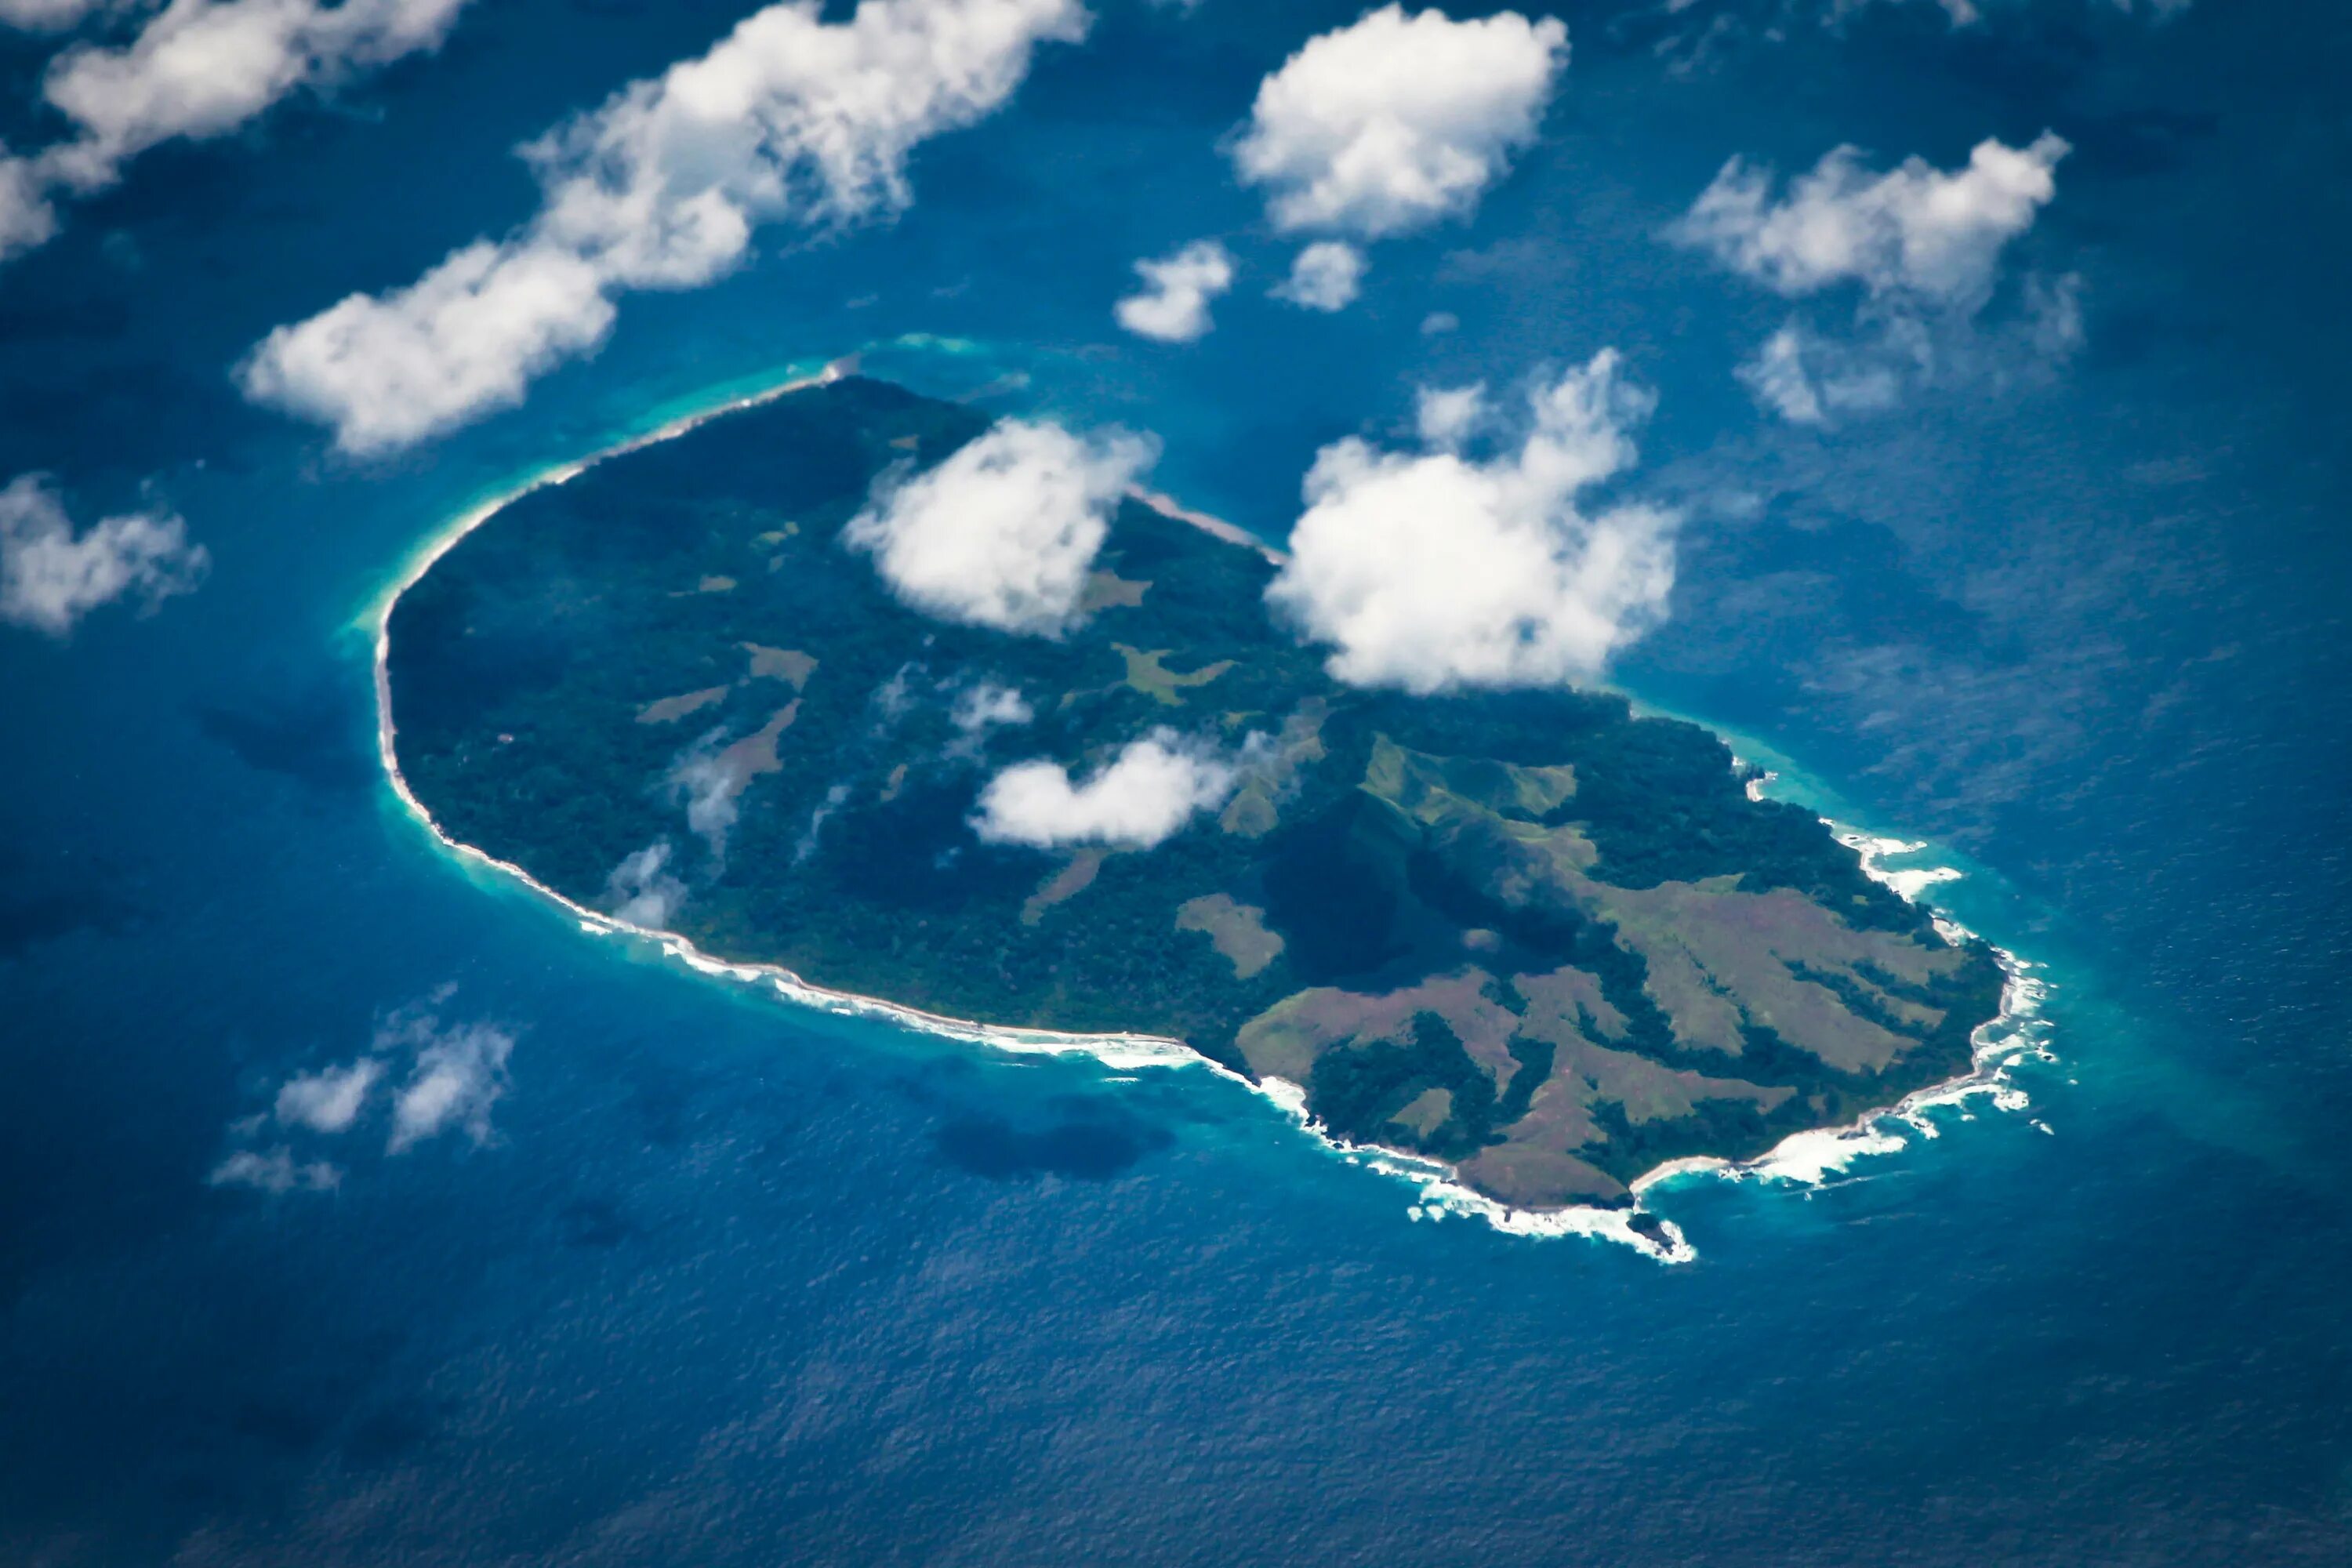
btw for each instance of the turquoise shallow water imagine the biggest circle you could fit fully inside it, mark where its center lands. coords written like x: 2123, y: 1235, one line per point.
x: 739, y: 1283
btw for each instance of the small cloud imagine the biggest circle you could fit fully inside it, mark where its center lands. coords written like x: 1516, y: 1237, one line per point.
x: 1430, y: 570
x: 1805, y: 379
x: 1002, y: 532
x: 50, y: 576
x: 457, y: 1076
x: 331, y: 1100
x: 987, y: 705
x: 1326, y: 276
x: 1396, y: 122
x: 709, y: 776
x: 468, y: 337
x: 1173, y: 307
x: 1914, y: 230
x: 894, y: 699
x: 274, y: 1171
x: 1777, y: 378
x: 1437, y: 323
x: 1923, y: 245
x: 835, y: 797
x: 45, y: 15
x: 641, y: 889
x: 2053, y: 314
x: 449, y: 1077
x: 1142, y: 797
x: 1448, y: 416
x: 979, y: 710
x: 28, y: 217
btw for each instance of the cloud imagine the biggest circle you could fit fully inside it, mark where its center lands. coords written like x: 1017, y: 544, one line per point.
x: 275, y: 1171
x: 1967, y: 12
x: 195, y: 68
x: 1805, y: 379
x: 1435, y: 570
x: 2053, y: 314
x: 467, y: 337
x: 641, y: 889
x: 987, y: 705
x: 1326, y: 276
x: 1448, y: 416
x: 457, y: 1076
x: 1914, y: 230
x: 203, y: 68
x: 1923, y: 246
x: 330, y: 1100
x: 1397, y: 122
x: 28, y: 217
x: 979, y: 710
x: 709, y: 777
x: 50, y: 576
x: 1173, y: 306
x: 1002, y: 532
x: 1139, y: 799
x: 45, y: 15
x: 788, y: 118
x: 454, y: 1075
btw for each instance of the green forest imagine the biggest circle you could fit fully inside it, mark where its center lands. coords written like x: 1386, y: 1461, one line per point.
x: 1528, y: 932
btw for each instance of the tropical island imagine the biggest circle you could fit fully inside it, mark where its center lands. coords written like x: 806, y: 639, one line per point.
x: 1528, y: 933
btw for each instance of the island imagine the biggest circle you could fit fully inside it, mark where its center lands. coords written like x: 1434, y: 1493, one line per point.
x: 1531, y: 934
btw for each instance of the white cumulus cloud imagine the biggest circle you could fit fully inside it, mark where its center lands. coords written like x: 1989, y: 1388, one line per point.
x: 457, y: 1073
x: 1399, y: 120
x: 1326, y: 276
x: 1914, y: 229
x: 51, y: 577
x: 1447, y: 416
x: 203, y: 68
x: 1433, y: 569
x: 1002, y: 532
x: 467, y: 337
x: 788, y: 118
x: 1923, y: 246
x: 330, y: 1100
x: 1139, y: 799
x: 1173, y: 304
x: 447, y: 1077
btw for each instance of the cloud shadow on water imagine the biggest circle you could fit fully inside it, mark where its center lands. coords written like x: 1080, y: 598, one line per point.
x: 1088, y: 1142
x: 311, y: 738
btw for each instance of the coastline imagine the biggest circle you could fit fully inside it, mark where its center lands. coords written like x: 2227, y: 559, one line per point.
x: 1806, y: 1157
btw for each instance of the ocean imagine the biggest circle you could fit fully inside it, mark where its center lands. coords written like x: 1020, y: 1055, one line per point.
x: 736, y: 1282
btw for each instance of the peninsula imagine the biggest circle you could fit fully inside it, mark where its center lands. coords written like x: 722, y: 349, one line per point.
x: 1528, y: 933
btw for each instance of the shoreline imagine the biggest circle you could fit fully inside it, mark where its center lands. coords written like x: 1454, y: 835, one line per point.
x: 1804, y: 1157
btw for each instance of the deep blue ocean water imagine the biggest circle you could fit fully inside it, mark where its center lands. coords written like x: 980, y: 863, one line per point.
x: 735, y: 1284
